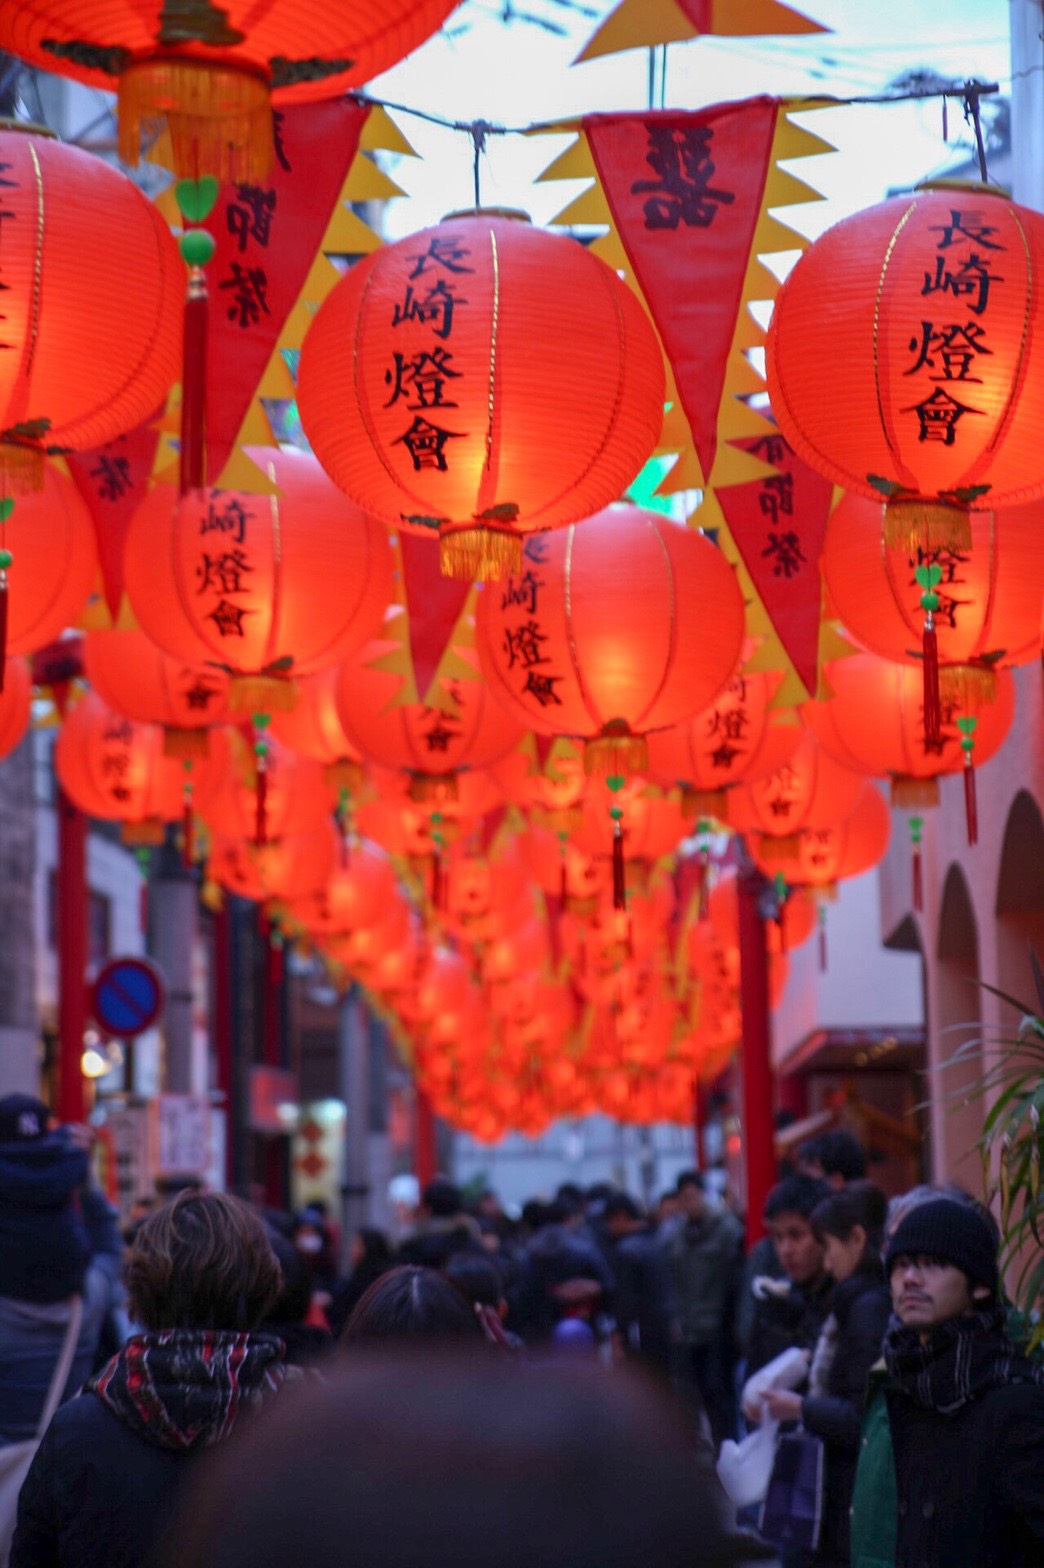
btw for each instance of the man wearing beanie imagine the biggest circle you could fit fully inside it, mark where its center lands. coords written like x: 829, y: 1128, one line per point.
x: 966, y: 1411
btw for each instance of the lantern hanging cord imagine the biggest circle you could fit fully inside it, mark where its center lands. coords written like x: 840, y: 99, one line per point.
x: 479, y: 130
x: 973, y: 114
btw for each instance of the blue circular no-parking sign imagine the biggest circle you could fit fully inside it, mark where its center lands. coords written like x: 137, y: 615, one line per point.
x: 127, y: 997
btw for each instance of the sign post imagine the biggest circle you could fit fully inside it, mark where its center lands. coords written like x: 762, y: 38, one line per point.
x: 127, y: 997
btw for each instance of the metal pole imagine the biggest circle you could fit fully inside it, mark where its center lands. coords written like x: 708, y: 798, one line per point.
x: 425, y: 1159
x: 72, y: 957
x: 755, y: 895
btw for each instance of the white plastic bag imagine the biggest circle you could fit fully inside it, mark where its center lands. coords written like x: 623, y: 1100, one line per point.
x: 788, y: 1370
x: 745, y: 1468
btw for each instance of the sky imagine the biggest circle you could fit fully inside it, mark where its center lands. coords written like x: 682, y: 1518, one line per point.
x: 520, y: 73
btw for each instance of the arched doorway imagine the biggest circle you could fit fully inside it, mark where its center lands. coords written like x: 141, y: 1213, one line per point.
x: 957, y: 1093
x: 1020, y: 903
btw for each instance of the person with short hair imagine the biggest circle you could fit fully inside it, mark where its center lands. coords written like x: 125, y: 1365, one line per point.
x: 788, y: 1313
x: 411, y: 1303
x: 835, y: 1156
x: 704, y: 1252
x: 443, y: 1226
x: 202, y: 1275
x: 965, y: 1411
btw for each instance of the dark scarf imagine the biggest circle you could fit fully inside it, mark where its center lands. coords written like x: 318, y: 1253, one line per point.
x: 960, y: 1360
x: 186, y: 1388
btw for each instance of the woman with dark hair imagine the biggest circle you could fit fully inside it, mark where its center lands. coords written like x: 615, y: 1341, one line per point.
x: 411, y: 1303
x: 370, y: 1256
x: 850, y: 1224
x: 201, y: 1277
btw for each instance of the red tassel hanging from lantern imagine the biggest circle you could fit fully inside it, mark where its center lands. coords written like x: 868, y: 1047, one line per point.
x: 262, y: 748
x: 192, y: 465
x: 6, y: 508
x: 619, y: 873
x: 822, y: 940
x: 967, y: 725
x: 916, y: 831
x: 932, y: 703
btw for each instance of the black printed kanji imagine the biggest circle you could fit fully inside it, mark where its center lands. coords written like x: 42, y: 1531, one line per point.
x: 731, y: 723
x: 444, y: 250
x: 435, y: 309
x: 725, y: 754
x: 440, y: 735
x: 113, y: 475
x: 223, y: 573
x: 771, y: 449
x: 249, y: 217
x: 682, y: 191
x: 939, y: 415
x: 542, y: 687
x: 777, y: 496
x: 422, y: 376
x: 227, y: 516
x: 971, y: 281
x: 426, y: 444
x: 965, y: 226
x: 521, y: 593
x: 228, y: 618
x: 785, y: 552
x: 523, y: 645
x: 952, y: 349
x: 278, y: 119
x: 250, y: 294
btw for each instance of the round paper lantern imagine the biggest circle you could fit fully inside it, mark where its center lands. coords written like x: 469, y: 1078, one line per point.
x: 484, y: 378
x: 796, y: 923
x: 267, y: 586
x: 117, y: 770
x: 812, y: 790
x: 92, y: 285
x: 292, y: 868
x: 209, y: 73
x: 730, y: 742
x: 623, y: 625
x: 16, y: 695
x: 353, y: 895
x: 900, y: 351
x: 136, y: 678
x: 52, y: 561
x: 560, y: 867
x: 541, y: 771
x: 293, y: 798
x: 653, y: 823
x: 312, y: 727
x: 989, y: 594
x: 820, y: 857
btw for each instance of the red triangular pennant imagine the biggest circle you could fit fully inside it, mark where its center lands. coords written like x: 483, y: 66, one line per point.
x: 685, y: 192
x: 778, y: 524
x: 113, y: 480
x: 267, y: 238
x: 433, y: 606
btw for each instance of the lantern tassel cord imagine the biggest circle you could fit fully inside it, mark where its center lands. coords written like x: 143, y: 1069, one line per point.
x: 973, y: 113
x: 918, y: 881
x: 702, y: 904
x: 192, y: 457
x: 188, y: 846
x: 619, y: 873
x: 437, y: 879
x: 930, y: 669
x: 261, y: 802
x: 3, y: 627
x: 971, y: 805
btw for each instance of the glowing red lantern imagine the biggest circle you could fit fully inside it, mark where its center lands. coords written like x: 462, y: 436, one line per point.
x: 209, y: 73
x: 796, y: 923
x: 353, y: 896
x: 812, y: 790
x: 138, y: 679
x: 877, y: 385
x: 559, y: 867
x: 485, y: 378
x: 312, y: 727
x: 47, y: 549
x: 267, y: 586
x: 289, y: 796
x: 117, y: 770
x: 88, y: 356
x: 291, y: 868
x: 821, y: 857
x: 16, y: 695
x: 548, y: 774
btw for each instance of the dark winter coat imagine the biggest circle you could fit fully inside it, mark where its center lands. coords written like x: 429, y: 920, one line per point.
x: 851, y: 1341
x: 642, y: 1290
x: 104, y: 1483
x: 787, y: 1321
x: 705, y: 1259
x: 44, y: 1245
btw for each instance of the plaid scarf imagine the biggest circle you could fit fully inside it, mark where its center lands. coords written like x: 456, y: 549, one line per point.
x: 958, y: 1361
x: 184, y: 1389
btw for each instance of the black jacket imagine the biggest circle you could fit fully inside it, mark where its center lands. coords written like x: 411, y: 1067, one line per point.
x: 860, y: 1309
x: 970, y: 1484
x: 785, y: 1322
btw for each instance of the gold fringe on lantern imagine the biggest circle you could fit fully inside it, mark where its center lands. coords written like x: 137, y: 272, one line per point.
x: 616, y: 753
x: 582, y: 908
x: 433, y: 789
x: 969, y: 686
x: 219, y: 117
x: 827, y: 893
x: 21, y: 468
x: 345, y: 774
x: 212, y: 896
x: 908, y: 792
x: 185, y: 744
x: 705, y: 803
x: 262, y: 694
x: 150, y: 830
x: 910, y: 521
x: 480, y: 554
x: 776, y: 848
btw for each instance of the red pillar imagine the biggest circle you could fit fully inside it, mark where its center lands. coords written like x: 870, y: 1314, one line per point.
x: 699, y: 1116
x: 273, y: 1045
x: 222, y: 955
x: 756, y: 1056
x: 424, y: 1159
x: 72, y: 957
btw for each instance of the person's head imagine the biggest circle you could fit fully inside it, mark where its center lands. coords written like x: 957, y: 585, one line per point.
x: 202, y: 1261
x: 941, y: 1263
x: 668, y: 1206
x: 788, y: 1215
x: 836, y: 1157
x: 621, y: 1215
x: 369, y: 1246
x: 500, y: 1465
x: 692, y: 1198
x: 441, y: 1199
x: 295, y: 1297
x: 568, y: 1204
x: 23, y: 1118
x: 478, y: 1279
x: 850, y: 1225
x: 410, y: 1303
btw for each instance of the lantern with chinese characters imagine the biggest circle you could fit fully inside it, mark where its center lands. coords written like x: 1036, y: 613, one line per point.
x: 812, y: 790
x: 874, y: 722
x: 483, y: 378
x: 267, y: 587
x: 956, y: 606
x: 117, y: 770
x: 47, y: 563
x: 16, y: 692
x: 91, y: 282
x: 138, y: 679
x: 291, y: 868
x: 899, y: 358
x: 730, y: 742
x: 210, y: 74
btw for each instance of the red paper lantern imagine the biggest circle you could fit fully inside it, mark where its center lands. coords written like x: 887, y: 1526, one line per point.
x: 117, y: 770
x: 291, y: 868
x: 49, y: 537
x: 900, y: 352
x: 560, y: 867
x: 547, y: 774
x: 796, y: 923
x: 138, y: 679
x: 820, y: 857
x: 812, y: 790
x: 209, y: 73
x: 354, y: 895
x: 16, y: 695
x: 295, y: 798
x: 484, y: 378
x: 624, y: 625
x: 267, y: 586
x: 312, y: 727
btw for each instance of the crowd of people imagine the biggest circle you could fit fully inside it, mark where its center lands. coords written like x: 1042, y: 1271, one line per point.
x: 564, y: 1386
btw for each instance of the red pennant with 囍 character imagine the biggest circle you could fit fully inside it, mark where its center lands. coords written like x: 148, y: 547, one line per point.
x: 778, y: 524
x: 113, y: 480
x: 267, y: 237
x: 685, y: 191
